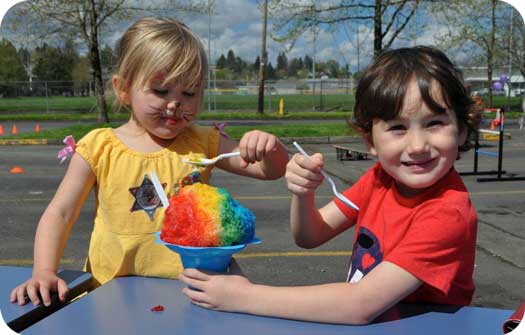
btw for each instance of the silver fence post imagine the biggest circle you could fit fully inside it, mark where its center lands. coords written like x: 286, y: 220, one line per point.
x: 47, y: 98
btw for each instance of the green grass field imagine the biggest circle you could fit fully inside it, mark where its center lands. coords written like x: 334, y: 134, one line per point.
x: 224, y: 107
x: 219, y: 103
x: 339, y: 128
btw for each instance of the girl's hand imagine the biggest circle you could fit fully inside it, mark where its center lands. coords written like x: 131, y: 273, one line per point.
x: 224, y: 292
x: 255, y: 145
x: 303, y: 175
x: 42, y: 283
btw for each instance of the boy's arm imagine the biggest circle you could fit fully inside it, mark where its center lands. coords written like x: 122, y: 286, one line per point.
x: 345, y: 303
x: 263, y: 156
x: 312, y: 227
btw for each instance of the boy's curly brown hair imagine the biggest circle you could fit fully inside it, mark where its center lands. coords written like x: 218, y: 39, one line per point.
x: 381, y: 89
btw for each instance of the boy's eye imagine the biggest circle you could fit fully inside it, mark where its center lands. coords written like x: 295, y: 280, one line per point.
x: 397, y: 127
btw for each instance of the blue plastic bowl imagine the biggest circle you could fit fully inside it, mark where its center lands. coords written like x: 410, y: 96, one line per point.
x: 206, y: 258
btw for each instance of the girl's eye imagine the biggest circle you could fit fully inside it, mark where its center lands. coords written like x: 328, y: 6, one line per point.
x: 435, y: 123
x: 189, y: 94
x: 159, y: 91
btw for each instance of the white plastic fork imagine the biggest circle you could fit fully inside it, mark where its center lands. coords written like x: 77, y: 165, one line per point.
x: 339, y: 196
x: 209, y: 161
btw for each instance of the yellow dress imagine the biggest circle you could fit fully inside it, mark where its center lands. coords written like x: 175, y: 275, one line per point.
x: 128, y: 211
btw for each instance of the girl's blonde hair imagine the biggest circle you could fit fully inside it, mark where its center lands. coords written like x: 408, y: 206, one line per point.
x: 153, y: 46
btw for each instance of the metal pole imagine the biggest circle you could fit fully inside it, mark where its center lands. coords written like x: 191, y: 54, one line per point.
x: 313, y: 72
x: 260, y: 106
x: 509, y: 82
x: 47, y: 99
x: 500, y: 146
x: 209, y: 54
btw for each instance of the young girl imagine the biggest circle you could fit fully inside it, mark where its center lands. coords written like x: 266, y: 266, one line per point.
x: 161, y: 70
x: 415, y: 233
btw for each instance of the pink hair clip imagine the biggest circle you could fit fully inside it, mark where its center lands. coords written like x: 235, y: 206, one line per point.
x: 220, y: 127
x: 68, y: 150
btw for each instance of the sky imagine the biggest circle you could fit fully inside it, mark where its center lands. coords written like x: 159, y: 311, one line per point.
x: 237, y: 25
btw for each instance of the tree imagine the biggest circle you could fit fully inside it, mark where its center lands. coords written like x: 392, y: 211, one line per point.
x: 11, y: 67
x: 308, y: 63
x: 50, y: 64
x: 256, y: 64
x: 87, y: 18
x: 81, y: 76
x: 332, y: 67
x: 282, y: 62
x: 512, y: 40
x: 294, y: 65
x: 291, y: 18
x: 472, y: 21
x: 230, y: 60
x: 270, y: 72
x: 221, y: 62
x: 108, y: 60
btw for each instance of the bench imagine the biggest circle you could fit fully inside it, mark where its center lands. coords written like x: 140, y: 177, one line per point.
x: 349, y: 154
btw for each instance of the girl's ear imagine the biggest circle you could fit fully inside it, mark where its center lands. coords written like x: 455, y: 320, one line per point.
x: 120, y: 89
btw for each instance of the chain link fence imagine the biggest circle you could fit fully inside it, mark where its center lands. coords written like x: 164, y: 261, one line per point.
x: 323, y: 95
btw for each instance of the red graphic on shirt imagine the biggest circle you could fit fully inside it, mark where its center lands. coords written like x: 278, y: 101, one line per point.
x: 367, y: 261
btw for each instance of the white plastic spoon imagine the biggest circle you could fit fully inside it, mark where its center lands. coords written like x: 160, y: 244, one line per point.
x: 209, y: 161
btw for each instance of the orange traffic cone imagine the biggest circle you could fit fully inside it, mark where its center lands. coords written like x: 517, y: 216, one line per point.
x: 1, y: 130
x: 37, y: 128
x: 14, y: 130
x: 17, y: 170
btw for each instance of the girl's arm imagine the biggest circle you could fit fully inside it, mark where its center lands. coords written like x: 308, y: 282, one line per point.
x: 262, y: 156
x: 53, y: 232
x: 345, y: 303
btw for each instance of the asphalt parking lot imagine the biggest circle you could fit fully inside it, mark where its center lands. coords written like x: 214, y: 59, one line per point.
x: 500, y: 259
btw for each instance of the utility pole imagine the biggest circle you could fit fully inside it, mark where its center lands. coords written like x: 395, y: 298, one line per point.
x: 262, y: 65
x: 313, y: 68
x: 209, y: 55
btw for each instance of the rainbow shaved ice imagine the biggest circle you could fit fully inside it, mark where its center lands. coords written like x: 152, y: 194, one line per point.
x: 200, y: 215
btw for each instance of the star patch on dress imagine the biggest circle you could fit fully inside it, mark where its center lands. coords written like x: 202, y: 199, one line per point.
x: 146, y: 198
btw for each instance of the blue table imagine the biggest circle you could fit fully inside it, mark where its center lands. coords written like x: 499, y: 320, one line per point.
x: 123, y: 305
x: 20, y: 317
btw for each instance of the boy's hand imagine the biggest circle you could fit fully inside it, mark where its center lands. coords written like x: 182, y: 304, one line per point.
x: 224, y: 292
x: 303, y: 174
x: 255, y: 145
x: 41, y: 284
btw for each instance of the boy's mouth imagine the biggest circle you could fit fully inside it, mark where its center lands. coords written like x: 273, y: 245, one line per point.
x: 420, y: 162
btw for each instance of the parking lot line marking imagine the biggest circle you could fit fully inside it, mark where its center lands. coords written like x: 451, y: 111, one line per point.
x: 275, y: 197
x: 294, y: 254
x: 496, y: 192
x: 29, y: 261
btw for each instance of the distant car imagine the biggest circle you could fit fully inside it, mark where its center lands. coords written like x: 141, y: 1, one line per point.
x: 485, y: 91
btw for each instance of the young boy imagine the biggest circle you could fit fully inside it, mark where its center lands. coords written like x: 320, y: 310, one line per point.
x: 415, y: 233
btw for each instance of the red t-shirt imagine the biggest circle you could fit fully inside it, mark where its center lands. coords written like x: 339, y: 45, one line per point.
x: 432, y: 235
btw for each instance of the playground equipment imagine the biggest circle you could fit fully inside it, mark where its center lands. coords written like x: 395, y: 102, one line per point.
x: 497, y: 122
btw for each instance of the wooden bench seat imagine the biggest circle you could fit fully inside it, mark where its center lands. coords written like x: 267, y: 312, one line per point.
x: 349, y: 154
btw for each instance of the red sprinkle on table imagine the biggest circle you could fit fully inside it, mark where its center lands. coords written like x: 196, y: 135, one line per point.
x: 158, y: 308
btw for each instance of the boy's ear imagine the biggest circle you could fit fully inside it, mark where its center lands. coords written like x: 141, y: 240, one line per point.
x: 462, y: 136
x: 120, y: 89
x: 370, y: 143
